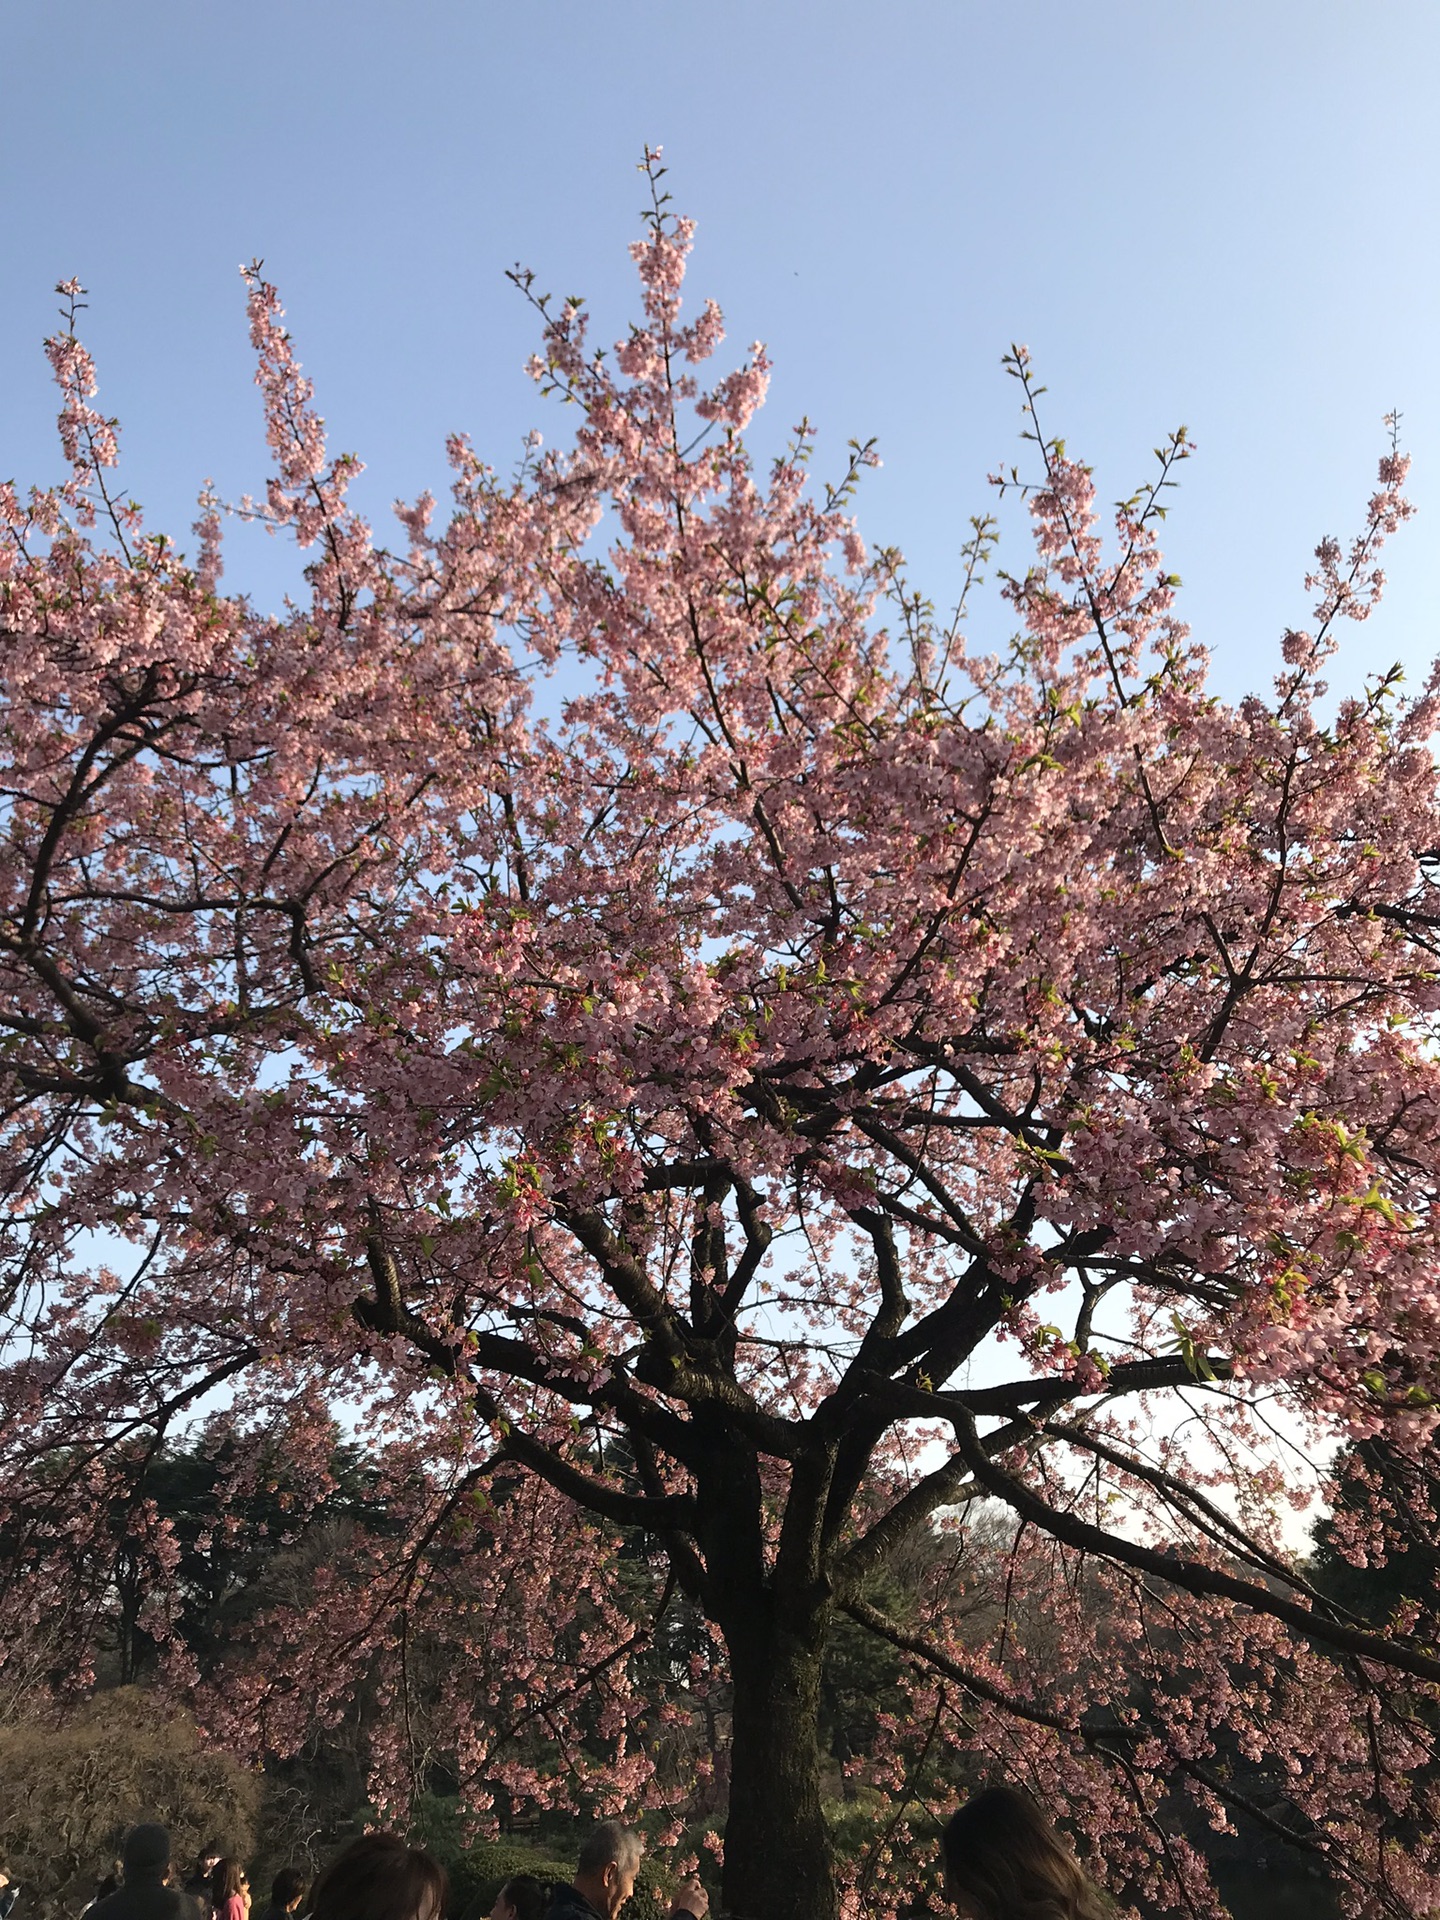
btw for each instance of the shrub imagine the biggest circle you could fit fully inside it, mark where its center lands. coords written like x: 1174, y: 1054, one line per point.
x: 69, y: 1792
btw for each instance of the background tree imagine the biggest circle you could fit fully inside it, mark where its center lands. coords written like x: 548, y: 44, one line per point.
x: 861, y: 1077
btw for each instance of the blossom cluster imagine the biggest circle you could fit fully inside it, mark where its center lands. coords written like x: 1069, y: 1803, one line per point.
x: 811, y: 1078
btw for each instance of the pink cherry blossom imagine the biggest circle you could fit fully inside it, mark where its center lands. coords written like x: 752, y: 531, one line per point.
x: 758, y: 1106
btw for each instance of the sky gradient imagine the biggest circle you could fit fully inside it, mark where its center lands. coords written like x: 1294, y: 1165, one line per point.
x: 1219, y: 214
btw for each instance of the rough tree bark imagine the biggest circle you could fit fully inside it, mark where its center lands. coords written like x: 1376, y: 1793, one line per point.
x: 777, y: 1848
x: 772, y: 1601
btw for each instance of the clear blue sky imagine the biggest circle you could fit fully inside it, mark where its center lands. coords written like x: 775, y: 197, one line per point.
x: 1190, y: 210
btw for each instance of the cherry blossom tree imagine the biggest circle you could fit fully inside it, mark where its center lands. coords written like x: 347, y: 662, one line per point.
x: 615, y: 1008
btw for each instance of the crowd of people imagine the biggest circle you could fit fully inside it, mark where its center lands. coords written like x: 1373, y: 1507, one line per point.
x: 1001, y: 1859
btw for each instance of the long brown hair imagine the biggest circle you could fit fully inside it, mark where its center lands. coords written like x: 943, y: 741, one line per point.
x: 379, y: 1877
x: 1006, y: 1862
x: 226, y: 1880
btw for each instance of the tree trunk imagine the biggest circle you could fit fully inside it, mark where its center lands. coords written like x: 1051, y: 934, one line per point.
x: 778, y: 1863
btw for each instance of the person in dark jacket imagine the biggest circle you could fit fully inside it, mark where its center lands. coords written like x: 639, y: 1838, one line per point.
x: 197, y: 1884
x: 605, y: 1879
x: 604, y: 1876
x: 522, y: 1897
x: 287, y: 1890
x: 143, y: 1893
x: 9, y: 1894
x: 106, y: 1885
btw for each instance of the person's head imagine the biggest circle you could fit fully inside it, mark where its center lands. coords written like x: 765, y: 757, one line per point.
x: 522, y: 1897
x: 228, y: 1881
x: 379, y: 1877
x: 1004, y: 1861
x: 210, y: 1857
x: 609, y: 1862
x: 287, y: 1889
x: 147, y: 1852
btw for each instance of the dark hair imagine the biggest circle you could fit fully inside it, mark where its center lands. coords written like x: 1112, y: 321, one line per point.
x: 287, y: 1887
x: 226, y: 1880
x: 528, y: 1896
x: 379, y: 1877
x: 611, y: 1840
x: 1004, y: 1857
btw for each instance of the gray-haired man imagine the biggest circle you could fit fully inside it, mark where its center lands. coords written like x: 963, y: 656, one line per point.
x: 605, y: 1876
x: 605, y: 1879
